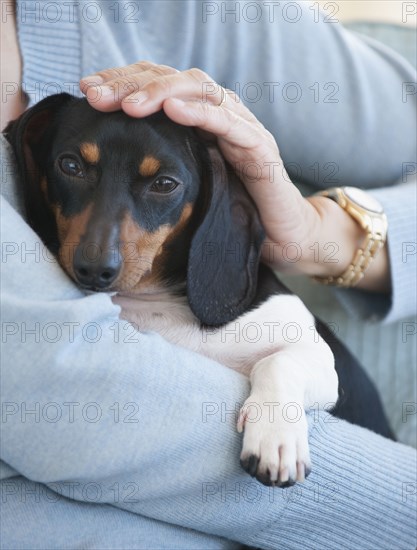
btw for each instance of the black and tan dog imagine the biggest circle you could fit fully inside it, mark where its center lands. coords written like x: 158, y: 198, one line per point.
x: 146, y: 209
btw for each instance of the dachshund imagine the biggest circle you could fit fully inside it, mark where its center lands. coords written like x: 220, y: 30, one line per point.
x: 147, y: 210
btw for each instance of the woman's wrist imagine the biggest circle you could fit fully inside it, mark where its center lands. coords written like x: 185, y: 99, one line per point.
x: 336, y: 241
x: 334, y: 238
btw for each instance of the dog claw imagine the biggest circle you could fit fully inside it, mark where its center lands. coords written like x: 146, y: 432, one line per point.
x: 250, y: 464
x: 289, y: 483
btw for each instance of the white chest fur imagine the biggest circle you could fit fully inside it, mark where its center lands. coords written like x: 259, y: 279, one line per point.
x: 281, y: 321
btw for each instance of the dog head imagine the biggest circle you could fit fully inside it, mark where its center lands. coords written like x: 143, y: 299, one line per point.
x: 129, y: 205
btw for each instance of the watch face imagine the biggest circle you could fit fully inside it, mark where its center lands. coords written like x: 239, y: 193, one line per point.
x: 363, y: 199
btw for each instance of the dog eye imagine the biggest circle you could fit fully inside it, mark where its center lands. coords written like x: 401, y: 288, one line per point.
x: 71, y: 167
x: 164, y: 185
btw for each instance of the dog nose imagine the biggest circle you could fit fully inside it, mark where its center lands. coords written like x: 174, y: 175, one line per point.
x: 96, y: 273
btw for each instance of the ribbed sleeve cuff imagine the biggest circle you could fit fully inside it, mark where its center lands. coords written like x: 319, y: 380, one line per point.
x: 400, y: 205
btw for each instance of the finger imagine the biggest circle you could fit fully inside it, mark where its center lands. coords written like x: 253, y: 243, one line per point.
x: 144, y: 86
x: 192, y: 84
x: 108, y: 75
x: 106, y: 90
x: 226, y: 124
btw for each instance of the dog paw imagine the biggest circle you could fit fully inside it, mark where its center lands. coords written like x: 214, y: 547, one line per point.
x: 275, y: 446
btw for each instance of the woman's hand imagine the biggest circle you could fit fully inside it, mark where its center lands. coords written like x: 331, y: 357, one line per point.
x: 299, y: 231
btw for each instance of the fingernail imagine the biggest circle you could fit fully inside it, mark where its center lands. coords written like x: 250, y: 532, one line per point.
x: 92, y: 80
x: 284, y: 475
x: 95, y: 93
x: 106, y: 91
x: 137, y: 98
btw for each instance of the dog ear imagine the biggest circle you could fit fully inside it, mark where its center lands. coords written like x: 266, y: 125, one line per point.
x: 27, y: 136
x: 225, y: 250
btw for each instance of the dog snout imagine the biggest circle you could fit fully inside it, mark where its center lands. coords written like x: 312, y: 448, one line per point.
x: 95, y: 268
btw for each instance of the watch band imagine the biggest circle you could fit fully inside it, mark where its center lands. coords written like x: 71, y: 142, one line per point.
x: 374, y: 223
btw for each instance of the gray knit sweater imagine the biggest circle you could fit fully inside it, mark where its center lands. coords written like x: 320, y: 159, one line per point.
x: 171, y: 479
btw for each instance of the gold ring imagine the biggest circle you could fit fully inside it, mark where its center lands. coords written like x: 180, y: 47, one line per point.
x: 224, y: 96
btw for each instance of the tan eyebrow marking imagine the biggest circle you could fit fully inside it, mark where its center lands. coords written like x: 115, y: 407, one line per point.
x: 90, y: 152
x: 149, y: 166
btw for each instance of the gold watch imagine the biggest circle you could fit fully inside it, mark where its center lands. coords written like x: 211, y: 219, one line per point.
x: 369, y: 214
